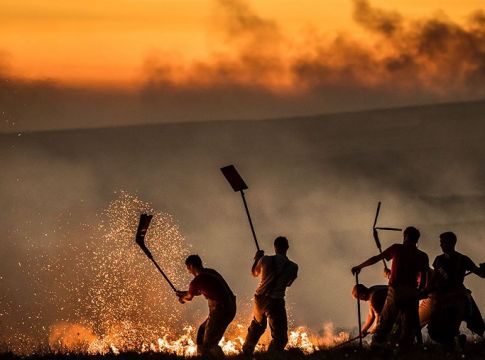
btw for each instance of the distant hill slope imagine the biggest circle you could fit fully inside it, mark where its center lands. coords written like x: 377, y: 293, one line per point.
x: 316, y: 179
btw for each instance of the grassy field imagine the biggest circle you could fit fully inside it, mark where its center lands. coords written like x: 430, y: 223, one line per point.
x: 472, y: 351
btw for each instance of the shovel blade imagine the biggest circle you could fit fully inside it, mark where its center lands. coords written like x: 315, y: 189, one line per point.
x: 142, y: 230
x: 233, y: 177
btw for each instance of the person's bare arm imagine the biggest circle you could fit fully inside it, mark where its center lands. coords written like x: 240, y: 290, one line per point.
x: 368, y: 322
x: 368, y: 262
x: 386, y: 254
x: 423, y: 281
x: 256, y: 268
x: 480, y: 271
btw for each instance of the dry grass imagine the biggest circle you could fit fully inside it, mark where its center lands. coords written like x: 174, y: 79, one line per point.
x: 429, y: 352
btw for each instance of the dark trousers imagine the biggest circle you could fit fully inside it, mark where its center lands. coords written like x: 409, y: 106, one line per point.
x: 401, y: 303
x: 447, y: 313
x: 210, y: 332
x: 266, y: 310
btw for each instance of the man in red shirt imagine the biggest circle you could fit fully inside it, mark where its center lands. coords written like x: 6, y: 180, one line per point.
x: 222, y: 305
x: 408, y: 276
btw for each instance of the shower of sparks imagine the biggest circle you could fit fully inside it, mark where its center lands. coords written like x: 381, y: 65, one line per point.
x: 127, y: 304
x: 105, y: 296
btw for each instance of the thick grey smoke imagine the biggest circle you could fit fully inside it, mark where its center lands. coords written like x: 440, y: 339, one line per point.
x: 268, y: 73
x: 316, y: 180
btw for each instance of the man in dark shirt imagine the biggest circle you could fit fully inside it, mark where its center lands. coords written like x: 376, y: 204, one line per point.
x: 277, y: 272
x: 376, y: 296
x: 222, y: 305
x: 449, y: 297
x: 408, y: 276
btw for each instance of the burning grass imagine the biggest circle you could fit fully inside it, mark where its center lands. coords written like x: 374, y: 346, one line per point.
x: 428, y: 351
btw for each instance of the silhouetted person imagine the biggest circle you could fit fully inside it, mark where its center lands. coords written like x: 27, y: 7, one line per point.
x: 450, y: 300
x: 376, y: 296
x: 222, y: 305
x: 277, y: 273
x: 408, y: 276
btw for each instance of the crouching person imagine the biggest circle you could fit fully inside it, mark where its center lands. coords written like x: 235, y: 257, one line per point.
x: 222, y: 305
x: 376, y: 297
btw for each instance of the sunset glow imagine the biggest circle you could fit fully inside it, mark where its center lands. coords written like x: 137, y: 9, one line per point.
x: 93, y: 42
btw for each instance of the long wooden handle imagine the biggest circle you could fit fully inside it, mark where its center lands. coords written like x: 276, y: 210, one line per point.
x: 250, y: 221
x: 358, y: 312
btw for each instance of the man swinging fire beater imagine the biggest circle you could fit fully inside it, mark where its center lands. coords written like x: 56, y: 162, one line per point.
x: 277, y: 273
x: 409, y: 266
x: 222, y: 305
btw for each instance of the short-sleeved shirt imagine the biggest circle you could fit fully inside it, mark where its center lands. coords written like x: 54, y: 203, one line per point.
x: 212, y: 285
x: 450, y: 270
x: 277, y: 272
x: 407, y: 264
x: 377, y: 298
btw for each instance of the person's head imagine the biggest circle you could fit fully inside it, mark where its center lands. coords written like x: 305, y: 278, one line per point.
x: 281, y: 245
x: 411, y: 235
x: 448, y: 242
x: 360, y: 291
x: 194, y: 264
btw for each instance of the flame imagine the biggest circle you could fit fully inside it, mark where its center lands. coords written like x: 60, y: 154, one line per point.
x: 71, y: 337
x: 300, y: 339
x: 77, y: 338
x: 330, y: 339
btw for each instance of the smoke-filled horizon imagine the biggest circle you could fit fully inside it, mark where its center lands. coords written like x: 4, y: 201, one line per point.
x: 315, y: 180
x: 267, y: 72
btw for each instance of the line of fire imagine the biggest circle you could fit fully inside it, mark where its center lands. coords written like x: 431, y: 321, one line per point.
x: 125, y: 307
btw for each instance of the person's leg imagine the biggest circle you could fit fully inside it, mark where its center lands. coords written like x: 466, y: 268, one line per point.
x: 458, y: 302
x: 218, y: 321
x: 200, y: 337
x: 257, y: 326
x: 446, y: 317
x: 386, y: 319
x: 410, y: 320
x: 425, y: 312
x: 278, y: 324
x: 438, y: 319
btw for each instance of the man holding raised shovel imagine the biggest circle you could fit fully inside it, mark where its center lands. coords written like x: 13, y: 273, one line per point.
x: 276, y: 273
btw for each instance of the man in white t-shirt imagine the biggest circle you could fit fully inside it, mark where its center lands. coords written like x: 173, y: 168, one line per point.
x: 276, y: 273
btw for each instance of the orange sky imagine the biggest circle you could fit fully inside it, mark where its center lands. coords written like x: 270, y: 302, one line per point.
x: 108, y: 41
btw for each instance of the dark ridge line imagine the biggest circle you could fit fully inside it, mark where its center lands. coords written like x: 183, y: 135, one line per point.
x: 308, y: 117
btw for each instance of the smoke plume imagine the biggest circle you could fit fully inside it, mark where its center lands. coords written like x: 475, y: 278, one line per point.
x: 260, y: 71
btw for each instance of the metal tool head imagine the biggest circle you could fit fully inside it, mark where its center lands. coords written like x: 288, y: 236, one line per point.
x: 233, y: 177
x: 143, y: 225
x: 387, y: 228
x: 374, y: 227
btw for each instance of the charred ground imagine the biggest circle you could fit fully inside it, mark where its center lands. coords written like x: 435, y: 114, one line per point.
x: 473, y: 351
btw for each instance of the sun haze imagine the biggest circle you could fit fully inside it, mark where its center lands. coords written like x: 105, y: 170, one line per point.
x: 110, y: 42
